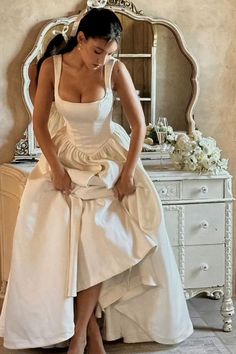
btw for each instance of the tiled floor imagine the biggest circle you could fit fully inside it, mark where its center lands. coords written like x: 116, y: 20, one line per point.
x: 205, y: 314
x: 209, y: 311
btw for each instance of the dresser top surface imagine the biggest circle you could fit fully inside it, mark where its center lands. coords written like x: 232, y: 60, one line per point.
x: 182, y: 175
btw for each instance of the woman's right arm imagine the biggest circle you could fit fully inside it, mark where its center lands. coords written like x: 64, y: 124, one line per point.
x: 42, y: 105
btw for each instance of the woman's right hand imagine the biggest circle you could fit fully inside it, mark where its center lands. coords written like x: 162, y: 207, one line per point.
x: 61, y: 180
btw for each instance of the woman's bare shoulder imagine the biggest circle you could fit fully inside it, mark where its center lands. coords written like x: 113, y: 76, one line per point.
x: 47, y: 69
x: 119, y: 67
x: 120, y: 74
x: 119, y: 70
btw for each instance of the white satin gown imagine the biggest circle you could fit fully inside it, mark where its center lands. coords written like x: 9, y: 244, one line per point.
x: 64, y: 244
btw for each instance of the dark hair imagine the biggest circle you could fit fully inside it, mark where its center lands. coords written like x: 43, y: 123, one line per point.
x: 102, y: 23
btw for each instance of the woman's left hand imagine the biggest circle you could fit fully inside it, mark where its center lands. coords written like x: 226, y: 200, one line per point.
x: 124, y: 186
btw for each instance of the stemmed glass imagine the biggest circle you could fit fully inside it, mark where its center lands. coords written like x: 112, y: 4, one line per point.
x: 161, y: 131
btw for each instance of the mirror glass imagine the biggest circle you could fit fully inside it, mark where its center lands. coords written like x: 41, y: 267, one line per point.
x: 174, y: 73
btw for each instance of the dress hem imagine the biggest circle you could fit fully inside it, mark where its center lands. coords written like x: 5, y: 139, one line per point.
x: 166, y: 341
x: 40, y: 344
x: 127, y: 339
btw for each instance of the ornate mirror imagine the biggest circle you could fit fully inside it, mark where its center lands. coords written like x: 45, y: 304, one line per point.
x: 164, y: 72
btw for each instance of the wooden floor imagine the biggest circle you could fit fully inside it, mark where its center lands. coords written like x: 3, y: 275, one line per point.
x: 208, y: 337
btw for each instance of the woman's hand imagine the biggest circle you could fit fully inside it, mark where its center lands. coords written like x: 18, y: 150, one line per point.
x: 61, y: 180
x: 124, y: 186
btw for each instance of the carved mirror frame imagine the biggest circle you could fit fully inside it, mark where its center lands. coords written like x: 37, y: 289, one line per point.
x: 27, y: 147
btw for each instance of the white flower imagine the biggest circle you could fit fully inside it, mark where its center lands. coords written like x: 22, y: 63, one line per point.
x: 171, y: 137
x: 223, y: 163
x: 169, y: 130
x: 193, y: 159
x: 148, y: 141
x: 149, y: 127
x: 193, y: 144
x: 187, y: 152
x: 191, y: 166
x: 208, y: 145
x: 176, y: 157
x: 196, y: 135
x: 182, y: 141
x: 171, y: 149
x: 215, y: 154
x: 198, y: 152
x: 206, y: 162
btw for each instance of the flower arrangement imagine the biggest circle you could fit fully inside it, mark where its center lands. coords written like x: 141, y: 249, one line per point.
x: 189, y: 152
x: 151, y: 138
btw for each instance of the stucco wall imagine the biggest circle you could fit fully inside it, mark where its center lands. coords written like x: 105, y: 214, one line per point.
x: 209, y: 29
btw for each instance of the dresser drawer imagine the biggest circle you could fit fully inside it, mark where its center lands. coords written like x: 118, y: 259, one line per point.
x: 204, y: 266
x: 190, y: 189
x: 203, y: 189
x: 204, y: 223
x: 195, y: 224
x: 168, y: 190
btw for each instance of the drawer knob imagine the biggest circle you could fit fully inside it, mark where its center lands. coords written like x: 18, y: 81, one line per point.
x: 204, y: 189
x: 204, y: 267
x: 163, y: 191
x: 204, y: 224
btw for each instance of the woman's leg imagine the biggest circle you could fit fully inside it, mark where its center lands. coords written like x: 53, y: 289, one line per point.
x: 95, y: 343
x: 85, y: 303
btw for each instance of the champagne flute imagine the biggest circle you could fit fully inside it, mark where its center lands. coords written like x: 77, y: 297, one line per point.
x: 161, y: 131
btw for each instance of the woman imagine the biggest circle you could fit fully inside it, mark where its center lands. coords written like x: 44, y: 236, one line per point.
x: 90, y: 224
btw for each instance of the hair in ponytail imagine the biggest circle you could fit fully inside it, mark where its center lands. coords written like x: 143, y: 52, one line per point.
x: 101, y: 23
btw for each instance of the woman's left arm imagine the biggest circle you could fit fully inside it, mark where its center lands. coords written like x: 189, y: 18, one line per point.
x: 125, y: 89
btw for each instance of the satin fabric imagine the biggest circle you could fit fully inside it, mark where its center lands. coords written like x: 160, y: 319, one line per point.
x: 65, y: 244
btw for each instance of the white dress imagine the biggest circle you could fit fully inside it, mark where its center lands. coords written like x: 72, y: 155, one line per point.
x: 64, y: 244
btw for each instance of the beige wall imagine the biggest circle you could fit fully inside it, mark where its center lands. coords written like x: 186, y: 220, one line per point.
x: 209, y: 28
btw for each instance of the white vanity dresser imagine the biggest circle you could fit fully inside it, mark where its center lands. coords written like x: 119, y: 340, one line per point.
x: 197, y: 208
x: 198, y: 215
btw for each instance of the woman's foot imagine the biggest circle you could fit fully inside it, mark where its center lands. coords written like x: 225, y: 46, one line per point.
x: 95, y: 343
x: 77, y: 343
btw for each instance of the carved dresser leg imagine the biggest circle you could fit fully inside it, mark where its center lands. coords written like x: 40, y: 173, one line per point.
x: 216, y: 295
x: 227, y: 311
x: 227, y: 308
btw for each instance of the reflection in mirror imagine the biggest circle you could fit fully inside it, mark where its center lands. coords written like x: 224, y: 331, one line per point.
x: 136, y: 54
x: 154, y: 51
x: 174, y: 88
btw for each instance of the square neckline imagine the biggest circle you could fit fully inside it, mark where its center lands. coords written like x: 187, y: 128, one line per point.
x: 58, y: 83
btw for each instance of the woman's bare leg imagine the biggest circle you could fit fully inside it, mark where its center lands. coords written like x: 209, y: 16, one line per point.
x: 85, y: 303
x: 95, y: 343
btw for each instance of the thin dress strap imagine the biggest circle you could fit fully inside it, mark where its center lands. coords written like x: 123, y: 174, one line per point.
x: 57, y: 73
x: 108, y: 72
